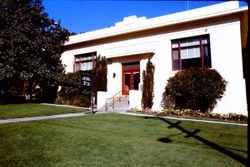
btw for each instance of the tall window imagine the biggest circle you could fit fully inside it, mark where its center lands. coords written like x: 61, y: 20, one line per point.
x: 84, y: 62
x: 191, y: 52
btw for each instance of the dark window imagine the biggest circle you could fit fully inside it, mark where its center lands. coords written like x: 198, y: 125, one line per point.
x: 136, y: 80
x: 84, y: 62
x: 191, y: 52
x: 127, y: 80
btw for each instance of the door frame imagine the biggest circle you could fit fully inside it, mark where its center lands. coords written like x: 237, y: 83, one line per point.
x: 125, y: 90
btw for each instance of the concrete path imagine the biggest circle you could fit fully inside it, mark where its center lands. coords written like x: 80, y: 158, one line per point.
x: 186, y: 119
x: 29, y: 119
x: 62, y: 105
x: 38, y: 118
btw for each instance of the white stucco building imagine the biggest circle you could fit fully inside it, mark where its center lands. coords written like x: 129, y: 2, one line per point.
x: 211, y: 37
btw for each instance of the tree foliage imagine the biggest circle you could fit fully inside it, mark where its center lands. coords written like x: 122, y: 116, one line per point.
x: 196, y: 89
x: 148, y: 85
x: 100, y: 74
x: 71, y: 91
x: 72, y: 88
x: 30, y: 42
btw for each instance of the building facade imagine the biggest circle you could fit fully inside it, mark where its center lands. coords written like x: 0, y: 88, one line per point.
x: 210, y: 37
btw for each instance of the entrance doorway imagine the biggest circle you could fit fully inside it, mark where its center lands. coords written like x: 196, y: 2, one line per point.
x: 130, y: 77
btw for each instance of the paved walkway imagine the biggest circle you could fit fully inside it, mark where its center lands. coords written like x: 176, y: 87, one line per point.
x: 62, y: 105
x: 29, y: 119
x: 186, y: 119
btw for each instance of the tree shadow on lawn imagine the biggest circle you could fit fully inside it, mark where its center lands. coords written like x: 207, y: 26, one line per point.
x: 193, y: 134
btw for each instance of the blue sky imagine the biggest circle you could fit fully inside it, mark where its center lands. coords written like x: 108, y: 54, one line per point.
x: 83, y: 16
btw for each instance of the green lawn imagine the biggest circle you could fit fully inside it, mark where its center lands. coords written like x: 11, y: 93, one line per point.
x: 120, y: 140
x: 29, y: 110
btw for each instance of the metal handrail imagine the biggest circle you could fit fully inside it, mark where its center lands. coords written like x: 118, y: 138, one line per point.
x: 119, y: 94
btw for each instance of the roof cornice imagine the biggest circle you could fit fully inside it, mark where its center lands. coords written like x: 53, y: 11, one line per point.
x: 159, y: 22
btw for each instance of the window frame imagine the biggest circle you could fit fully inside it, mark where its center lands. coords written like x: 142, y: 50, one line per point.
x: 80, y: 59
x: 205, y: 59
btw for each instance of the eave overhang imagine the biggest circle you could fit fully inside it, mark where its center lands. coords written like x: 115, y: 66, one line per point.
x: 131, y: 57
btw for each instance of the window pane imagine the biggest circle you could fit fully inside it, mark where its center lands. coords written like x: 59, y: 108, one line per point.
x: 127, y: 80
x: 175, y: 45
x: 77, y: 66
x: 175, y: 54
x: 89, y: 65
x: 190, y: 42
x: 205, y: 51
x: 187, y: 63
x: 207, y: 58
x: 82, y: 66
x: 196, y: 52
x: 136, y: 80
x: 86, y: 58
x: 204, y: 41
x: 176, y: 65
x: 190, y: 53
x: 86, y: 66
x: 78, y: 59
x: 184, y: 53
x: 176, y: 61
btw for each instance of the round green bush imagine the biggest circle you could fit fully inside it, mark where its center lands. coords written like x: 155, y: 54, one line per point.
x: 195, y: 88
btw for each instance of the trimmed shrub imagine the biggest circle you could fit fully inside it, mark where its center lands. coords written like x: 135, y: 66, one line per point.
x: 194, y: 114
x: 71, y: 92
x: 74, y: 93
x: 148, y: 86
x: 100, y: 75
x: 81, y: 100
x: 196, y: 88
x: 187, y: 113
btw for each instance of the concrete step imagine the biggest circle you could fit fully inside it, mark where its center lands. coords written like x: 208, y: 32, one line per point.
x: 121, y: 104
x: 120, y: 109
x: 124, y: 103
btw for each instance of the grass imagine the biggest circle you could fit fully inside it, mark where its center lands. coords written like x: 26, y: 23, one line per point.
x: 30, y: 110
x: 120, y: 140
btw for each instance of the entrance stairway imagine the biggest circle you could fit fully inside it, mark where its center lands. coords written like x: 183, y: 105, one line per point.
x: 118, y: 103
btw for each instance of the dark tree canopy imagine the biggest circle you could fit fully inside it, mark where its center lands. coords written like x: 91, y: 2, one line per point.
x: 30, y: 42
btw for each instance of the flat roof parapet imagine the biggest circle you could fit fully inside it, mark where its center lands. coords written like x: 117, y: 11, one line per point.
x: 133, y: 23
x: 131, y: 20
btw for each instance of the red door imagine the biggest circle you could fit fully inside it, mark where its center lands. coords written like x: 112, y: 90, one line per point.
x: 131, y: 80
